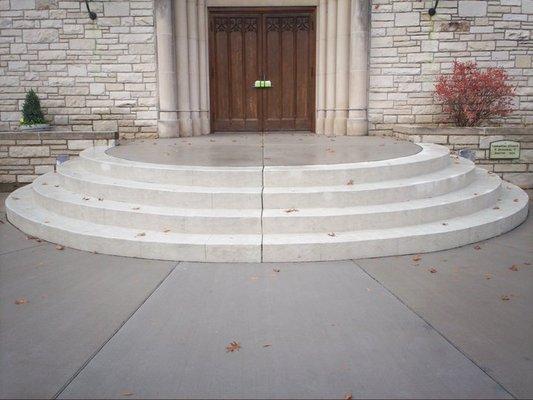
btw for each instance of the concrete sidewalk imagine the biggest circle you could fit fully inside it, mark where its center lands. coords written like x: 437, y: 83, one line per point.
x: 92, y: 325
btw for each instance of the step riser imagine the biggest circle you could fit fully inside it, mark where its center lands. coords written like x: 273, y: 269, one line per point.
x: 380, y: 220
x: 389, y: 247
x: 324, y: 199
x: 190, y: 176
x: 161, y: 197
x: 137, y: 219
x: 328, y: 175
x: 138, y: 248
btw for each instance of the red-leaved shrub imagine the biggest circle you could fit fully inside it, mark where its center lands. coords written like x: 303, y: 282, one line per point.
x: 471, y: 96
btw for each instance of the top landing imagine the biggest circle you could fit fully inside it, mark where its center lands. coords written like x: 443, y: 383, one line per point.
x: 270, y: 149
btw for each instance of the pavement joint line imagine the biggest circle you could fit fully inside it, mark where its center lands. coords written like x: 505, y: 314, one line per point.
x: 25, y: 248
x: 94, y: 354
x: 355, y: 262
x: 262, y: 188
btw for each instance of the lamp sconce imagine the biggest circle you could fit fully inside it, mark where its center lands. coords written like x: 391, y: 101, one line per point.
x: 92, y: 14
x: 433, y: 10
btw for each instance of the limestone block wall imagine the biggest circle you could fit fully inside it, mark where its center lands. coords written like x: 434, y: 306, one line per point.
x: 409, y: 49
x: 90, y: 75
x: 26, y: 155
x: 518, y: 171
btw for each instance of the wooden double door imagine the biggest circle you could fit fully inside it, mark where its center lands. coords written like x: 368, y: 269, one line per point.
x: 262, y: 44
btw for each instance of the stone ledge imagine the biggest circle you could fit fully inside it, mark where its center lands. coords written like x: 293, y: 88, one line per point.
x: 58, y: 135
x: 454, y: 130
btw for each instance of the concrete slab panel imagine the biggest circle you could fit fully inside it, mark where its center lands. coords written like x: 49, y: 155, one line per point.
x: 317, y: 330
x: 75, y: 302
x: 246, y: 149
x: 463, y: 301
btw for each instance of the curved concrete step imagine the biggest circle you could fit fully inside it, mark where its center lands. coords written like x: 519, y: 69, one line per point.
x: 97, y: 161
x: 482, y: 193
x: 49, y: 195
x: 457, y: 175
x: 36, y: 221
x: 510, y: 211
x: 75, y: 179
x: 431, y: 158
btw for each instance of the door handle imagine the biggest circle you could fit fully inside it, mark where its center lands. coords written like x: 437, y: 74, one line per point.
x: 262, y: 84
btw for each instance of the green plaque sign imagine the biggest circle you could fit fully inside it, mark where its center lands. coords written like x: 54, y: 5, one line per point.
x: 504, y: 149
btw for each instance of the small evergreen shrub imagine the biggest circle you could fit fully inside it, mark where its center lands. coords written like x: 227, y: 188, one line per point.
x: 471, y: 96
x: 31, y: 110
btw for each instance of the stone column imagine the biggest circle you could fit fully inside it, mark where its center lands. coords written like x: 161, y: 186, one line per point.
x: 194, y: 65
x: 166, y: 71
x: 342, y: 67
x: 321, y: 68
x: 204, y: 72
x: 358, y: 103
x: 331, y: 37
x: 182, y: 66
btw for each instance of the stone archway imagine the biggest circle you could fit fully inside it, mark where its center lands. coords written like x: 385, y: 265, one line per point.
x: 341, y: 66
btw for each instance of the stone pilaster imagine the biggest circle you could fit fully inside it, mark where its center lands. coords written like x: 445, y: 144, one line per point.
x: 331, y: 52
x: 168, y: 88
x: 182, y: 67
x: 359, y: 46
x: 204, y: 70
x: 321, y: 68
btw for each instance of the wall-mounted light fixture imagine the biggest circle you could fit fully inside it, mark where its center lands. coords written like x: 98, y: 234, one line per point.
x: 92, y: 14
x: 433, y: 10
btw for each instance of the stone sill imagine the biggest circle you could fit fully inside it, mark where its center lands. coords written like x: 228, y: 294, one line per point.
x: 58, y: 134
x: 423, y: 130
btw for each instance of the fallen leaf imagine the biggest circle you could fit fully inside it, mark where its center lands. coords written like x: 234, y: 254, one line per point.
x: 477, y: 247
x: 267, y: 345
x: 350, y: 182
x: 60, y: 247
x: 22, y: 300
x: 233, y: 346
x: 290, y: 210
x: 505, y: 297
x: 418, y: 257
x: 166, y: 231
x: 432, y: 270
x: 332, y: 234
x: 514, y: 268
x: 276, y: 270
x: 488, y: 276
x: 348, y: 396
x: 126, y: 393
x: 141, y: 234
x: 515, y: 200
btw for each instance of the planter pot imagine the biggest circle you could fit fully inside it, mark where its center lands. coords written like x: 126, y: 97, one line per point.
x: 35, y: 127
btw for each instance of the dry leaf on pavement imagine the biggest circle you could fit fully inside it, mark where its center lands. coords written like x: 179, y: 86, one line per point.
x: 22, y: 300
x: 233, y: 346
